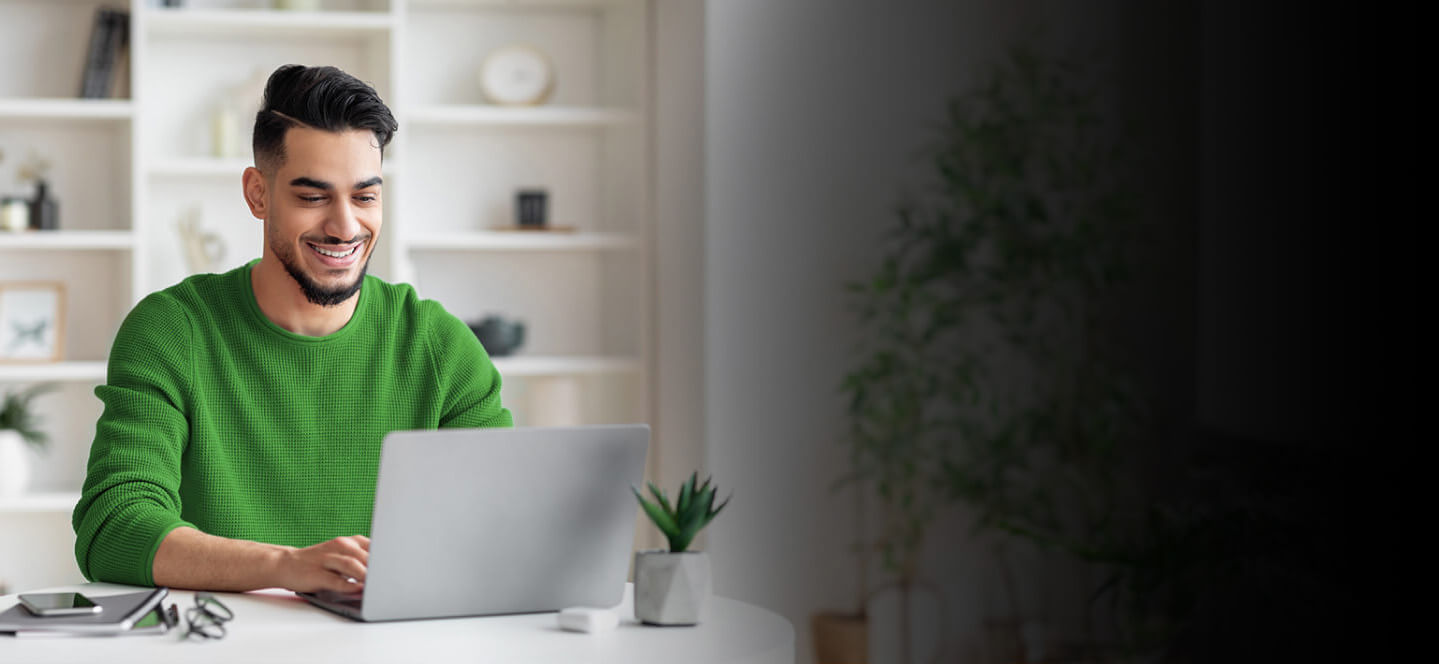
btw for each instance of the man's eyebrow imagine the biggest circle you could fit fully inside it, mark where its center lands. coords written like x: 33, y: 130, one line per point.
x: 325, y: 186
x: 312, y: 183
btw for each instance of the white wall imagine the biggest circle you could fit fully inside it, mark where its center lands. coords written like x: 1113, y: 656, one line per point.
x: 816, y: 112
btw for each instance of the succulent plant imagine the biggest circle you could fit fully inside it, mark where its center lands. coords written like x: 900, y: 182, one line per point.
x: 16, y: 415
x: 683, y: 520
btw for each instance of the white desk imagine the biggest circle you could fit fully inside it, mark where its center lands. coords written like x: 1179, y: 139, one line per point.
x: 276, y: 626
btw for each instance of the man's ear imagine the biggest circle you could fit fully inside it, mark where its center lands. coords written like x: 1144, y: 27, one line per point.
x: 255, y: 192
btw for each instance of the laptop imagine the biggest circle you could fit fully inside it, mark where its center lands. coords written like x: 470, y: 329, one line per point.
x: 471, y: 522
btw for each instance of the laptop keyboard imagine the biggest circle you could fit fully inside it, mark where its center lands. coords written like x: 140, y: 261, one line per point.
x: 346, y: 599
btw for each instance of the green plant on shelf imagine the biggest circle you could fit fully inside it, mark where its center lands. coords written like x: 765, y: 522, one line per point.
x: 681, y: 521
x: 16, y: 414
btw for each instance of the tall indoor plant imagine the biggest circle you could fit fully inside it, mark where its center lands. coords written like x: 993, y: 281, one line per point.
x: 672, y: 587
x: 19, y: 429
x: 985, y: 375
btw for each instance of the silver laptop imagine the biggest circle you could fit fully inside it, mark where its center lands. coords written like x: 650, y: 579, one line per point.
x: 473, y: 522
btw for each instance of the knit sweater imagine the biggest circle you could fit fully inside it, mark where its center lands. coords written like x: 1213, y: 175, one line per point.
x: 218, y: 419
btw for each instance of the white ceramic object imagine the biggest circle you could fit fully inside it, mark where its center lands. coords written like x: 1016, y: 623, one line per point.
x: 14, y: 464
x: 672, y: 588
x: 516, y: 76
x: 588, y: 619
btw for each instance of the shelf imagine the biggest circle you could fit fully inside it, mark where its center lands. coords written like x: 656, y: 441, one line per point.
x: 520, y: 241
x: 66, y: 109
x: 518, y: 4
x: 541, y: 366
x: 199, y: 167
x: 538, y: 116
x: 63, y: 501
x: 68, y: 240
x: 266, y: 23
x: 75, y: 372
x: 214, y: 167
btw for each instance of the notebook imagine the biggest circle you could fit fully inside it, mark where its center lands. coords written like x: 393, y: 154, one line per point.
x: 488, y: 521
x: 118, y: 615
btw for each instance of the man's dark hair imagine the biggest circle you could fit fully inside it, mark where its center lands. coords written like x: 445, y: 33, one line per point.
x: 319, y: 98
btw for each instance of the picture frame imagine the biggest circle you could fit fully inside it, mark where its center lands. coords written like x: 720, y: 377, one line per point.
x: 32, y: 321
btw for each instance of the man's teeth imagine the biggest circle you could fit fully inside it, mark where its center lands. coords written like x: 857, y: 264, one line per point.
x: 336, y: 254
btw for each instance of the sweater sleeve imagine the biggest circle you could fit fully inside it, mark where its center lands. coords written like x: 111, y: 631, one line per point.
x: 130, y: 500
x: 468, y: 380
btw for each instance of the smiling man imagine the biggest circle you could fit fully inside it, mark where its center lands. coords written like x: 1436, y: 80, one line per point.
x: 244, y: 411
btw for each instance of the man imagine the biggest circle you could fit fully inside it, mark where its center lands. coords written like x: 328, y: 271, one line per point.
x: 240, y: 440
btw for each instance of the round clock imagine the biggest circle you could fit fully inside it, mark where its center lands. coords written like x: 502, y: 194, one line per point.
x: 516, y: 76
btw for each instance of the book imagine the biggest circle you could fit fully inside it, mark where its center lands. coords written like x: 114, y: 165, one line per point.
x: 119, y: 81
x: 89, y: 79
x: 109, y: 39
x: 119, y: 614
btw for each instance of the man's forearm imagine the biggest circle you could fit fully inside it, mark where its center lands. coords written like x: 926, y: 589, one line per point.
x: 188, y: 558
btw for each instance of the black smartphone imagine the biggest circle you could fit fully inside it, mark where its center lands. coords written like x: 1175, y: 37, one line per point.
x: 59, y: 604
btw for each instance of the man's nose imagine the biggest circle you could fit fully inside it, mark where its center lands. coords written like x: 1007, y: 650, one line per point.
x: 342, y: 223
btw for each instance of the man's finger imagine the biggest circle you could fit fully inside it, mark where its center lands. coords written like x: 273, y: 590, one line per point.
x: 346, y: 566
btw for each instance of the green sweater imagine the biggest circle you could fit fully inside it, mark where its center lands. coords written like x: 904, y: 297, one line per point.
x: 218, y: 419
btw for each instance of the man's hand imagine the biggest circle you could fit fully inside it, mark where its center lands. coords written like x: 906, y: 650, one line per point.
x: 337, y: 565
x: 188, y: 558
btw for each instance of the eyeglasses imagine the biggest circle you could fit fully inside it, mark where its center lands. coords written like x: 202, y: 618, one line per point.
x: 207, y: 618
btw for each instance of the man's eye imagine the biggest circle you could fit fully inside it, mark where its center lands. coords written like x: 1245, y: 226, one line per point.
x: 365, y: 199
x: 312, y: 199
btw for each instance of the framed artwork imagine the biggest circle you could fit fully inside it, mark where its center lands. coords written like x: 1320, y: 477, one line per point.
x: 32, y: 321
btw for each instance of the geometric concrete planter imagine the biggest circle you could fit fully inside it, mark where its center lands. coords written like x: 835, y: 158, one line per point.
x: 671, y: 588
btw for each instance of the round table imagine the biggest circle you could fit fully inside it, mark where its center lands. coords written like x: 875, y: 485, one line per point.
x: 277, y: 626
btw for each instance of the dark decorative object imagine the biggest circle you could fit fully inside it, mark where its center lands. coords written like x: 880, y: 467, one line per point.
x: 530, y: 208
x: 109, y: 41
x: 499, y: 336
x: 44, y: 211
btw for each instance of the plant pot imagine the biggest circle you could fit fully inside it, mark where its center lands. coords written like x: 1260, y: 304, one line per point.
x: 904, y: 625
x: 671, y: 588
x: 840, y: 638
x: 14, y: 464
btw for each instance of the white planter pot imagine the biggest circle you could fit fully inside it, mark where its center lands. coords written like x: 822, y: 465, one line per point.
x: 14, y: 464
x: 671, y: 588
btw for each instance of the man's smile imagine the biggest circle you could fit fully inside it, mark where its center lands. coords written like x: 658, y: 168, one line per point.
x: 336, y: 255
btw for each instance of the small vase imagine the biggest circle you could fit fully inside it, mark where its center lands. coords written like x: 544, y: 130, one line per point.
x: 14, y: 464
x: 671, y: 588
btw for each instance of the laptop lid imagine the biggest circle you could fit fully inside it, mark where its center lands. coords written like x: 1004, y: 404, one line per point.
x: 485, y: 521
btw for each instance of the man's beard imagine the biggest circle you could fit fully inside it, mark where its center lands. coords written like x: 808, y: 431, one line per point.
x: 314, y: 292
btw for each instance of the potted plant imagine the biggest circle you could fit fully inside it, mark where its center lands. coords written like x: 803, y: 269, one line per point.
x: 985, y: 374
x: 19, y: 428
x: 672, y: 587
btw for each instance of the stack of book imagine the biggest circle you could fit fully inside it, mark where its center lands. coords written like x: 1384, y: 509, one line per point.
x: 125, y: 614
x: 107, y: 61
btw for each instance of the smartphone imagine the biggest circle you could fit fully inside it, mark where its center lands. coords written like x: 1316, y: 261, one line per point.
x: 59, y: 604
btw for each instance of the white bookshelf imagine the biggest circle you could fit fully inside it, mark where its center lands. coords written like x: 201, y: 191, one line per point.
x: 128, y: 169
x: 536, y: 366
x: 521, y: 241
x: 81, y: 372
x: 229, y: 23
x: 491, y: 116
x: 67, y: 240
x: 65, y: 109
x: 40, y: 503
